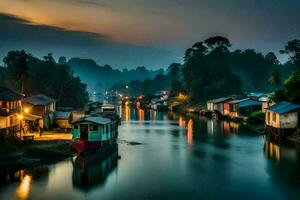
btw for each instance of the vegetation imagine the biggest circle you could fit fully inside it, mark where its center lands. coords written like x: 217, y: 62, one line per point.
x: 256, y: 117
x: 30, y: 75
x: 290, y: 90
x: 206, y: 71
x: 100, y: 78
x: 211, y: 70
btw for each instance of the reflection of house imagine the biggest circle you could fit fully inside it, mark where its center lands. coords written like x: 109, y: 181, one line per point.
x: 10, y: 103
x: 93, y: 170
x: 283, y: 115
x: 217, y: 104
x: 41, y: 108
x: 241, y: 107
x: 94, y: 107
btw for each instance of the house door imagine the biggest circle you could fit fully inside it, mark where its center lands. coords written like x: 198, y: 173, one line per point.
x: 84, y: 131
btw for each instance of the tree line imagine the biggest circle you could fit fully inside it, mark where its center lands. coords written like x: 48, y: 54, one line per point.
x: 211, y: 70
x: 30, y: 75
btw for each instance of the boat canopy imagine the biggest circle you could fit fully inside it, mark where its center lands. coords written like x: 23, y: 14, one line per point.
x: 94, y: 119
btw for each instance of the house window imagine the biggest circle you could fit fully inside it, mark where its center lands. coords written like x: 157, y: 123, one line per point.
x: 76, y: 127
x: 274, y: 117
x: 95, y: 128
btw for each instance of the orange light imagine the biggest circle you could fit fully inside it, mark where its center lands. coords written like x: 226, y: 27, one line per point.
x: 24, y: 188
x: 20, y: 117
x: 26, y: 110
x: 190, y: 132
x: 141, y: 115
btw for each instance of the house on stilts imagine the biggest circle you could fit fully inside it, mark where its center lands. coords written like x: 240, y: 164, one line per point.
x: 281, y: 119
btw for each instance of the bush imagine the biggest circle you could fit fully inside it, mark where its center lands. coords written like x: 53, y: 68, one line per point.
x: 256, y: 117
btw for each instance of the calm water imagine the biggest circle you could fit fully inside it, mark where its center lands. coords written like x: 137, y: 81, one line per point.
x: 164, y: 156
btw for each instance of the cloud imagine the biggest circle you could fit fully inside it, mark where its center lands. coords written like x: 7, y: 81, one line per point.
x: 17, y: 33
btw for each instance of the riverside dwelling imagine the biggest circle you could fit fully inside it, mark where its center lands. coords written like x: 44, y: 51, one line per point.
x: 158, y: 103
x: 40, y: 108
x: 63, y: 119
x: 94, y: 132
x: 242, y: 107
x: 10, y: 104
x: 217, y: 104
x: 266, y: 102
x: 283, y: 115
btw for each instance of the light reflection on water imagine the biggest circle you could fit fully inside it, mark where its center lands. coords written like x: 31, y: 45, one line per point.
x: 167, y: 156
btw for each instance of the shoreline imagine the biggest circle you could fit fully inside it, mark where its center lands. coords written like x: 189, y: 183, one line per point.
x: 187, y: 108
x: 35, y: 154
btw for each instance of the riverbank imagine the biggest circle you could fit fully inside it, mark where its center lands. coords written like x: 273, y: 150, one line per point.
x: 26, y: 155
x: 255, y: 121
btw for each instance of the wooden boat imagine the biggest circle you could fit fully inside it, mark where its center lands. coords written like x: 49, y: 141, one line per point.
x: 94, y: 132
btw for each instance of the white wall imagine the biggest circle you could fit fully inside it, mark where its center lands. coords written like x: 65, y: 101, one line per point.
x: 289, y: 120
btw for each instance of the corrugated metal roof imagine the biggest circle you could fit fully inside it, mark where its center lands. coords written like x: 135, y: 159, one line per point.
x: 39, y: 99
x: 249, y: 102
x: 219, y: 100
x: 257, y: 94
x: 283, y: 107
x: 245, y: 102
x: 62, y: 115
x: 9, y: 95
x: 94, y: 119
x: 237, y: 101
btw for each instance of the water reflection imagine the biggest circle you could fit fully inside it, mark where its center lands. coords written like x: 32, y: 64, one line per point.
x: 24, y: 188
x: 284, y: 161
x: 272, y: 150
x: 181, y: 121
x: 190, y: 132
x: 141, y: 115
x: 127, y: 112
x: 91, y: 171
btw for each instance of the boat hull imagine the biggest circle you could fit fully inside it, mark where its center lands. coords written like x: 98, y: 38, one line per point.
x: 88, y: 146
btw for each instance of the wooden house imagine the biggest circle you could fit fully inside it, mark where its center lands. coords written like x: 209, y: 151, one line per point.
x: 41, y: 108
x: 242, y: 107
x: 257, y: 95
x: 283, y: 115
x: 218, y: 104
x: 266, y: 102
x: 63, y: 119
x: 10, y: 104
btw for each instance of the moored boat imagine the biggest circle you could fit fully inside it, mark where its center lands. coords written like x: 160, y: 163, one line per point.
x: 94, y: 132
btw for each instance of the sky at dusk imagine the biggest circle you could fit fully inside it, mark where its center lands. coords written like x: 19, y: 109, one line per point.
x: 153, y: 33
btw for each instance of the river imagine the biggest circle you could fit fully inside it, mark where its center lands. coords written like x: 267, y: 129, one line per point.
x: 165, y: 156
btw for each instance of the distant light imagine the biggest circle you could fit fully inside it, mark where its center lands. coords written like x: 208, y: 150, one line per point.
x: 20, y: 117
x: 127, y: 86
x: 26, y: 110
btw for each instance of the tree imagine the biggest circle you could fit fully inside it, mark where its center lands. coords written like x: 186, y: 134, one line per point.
x: 292, y: 49
x: 45, y: 76
x: 275, y: 79
x: 206, y: 71
x: 16, y: 63
x: 290, y: 90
